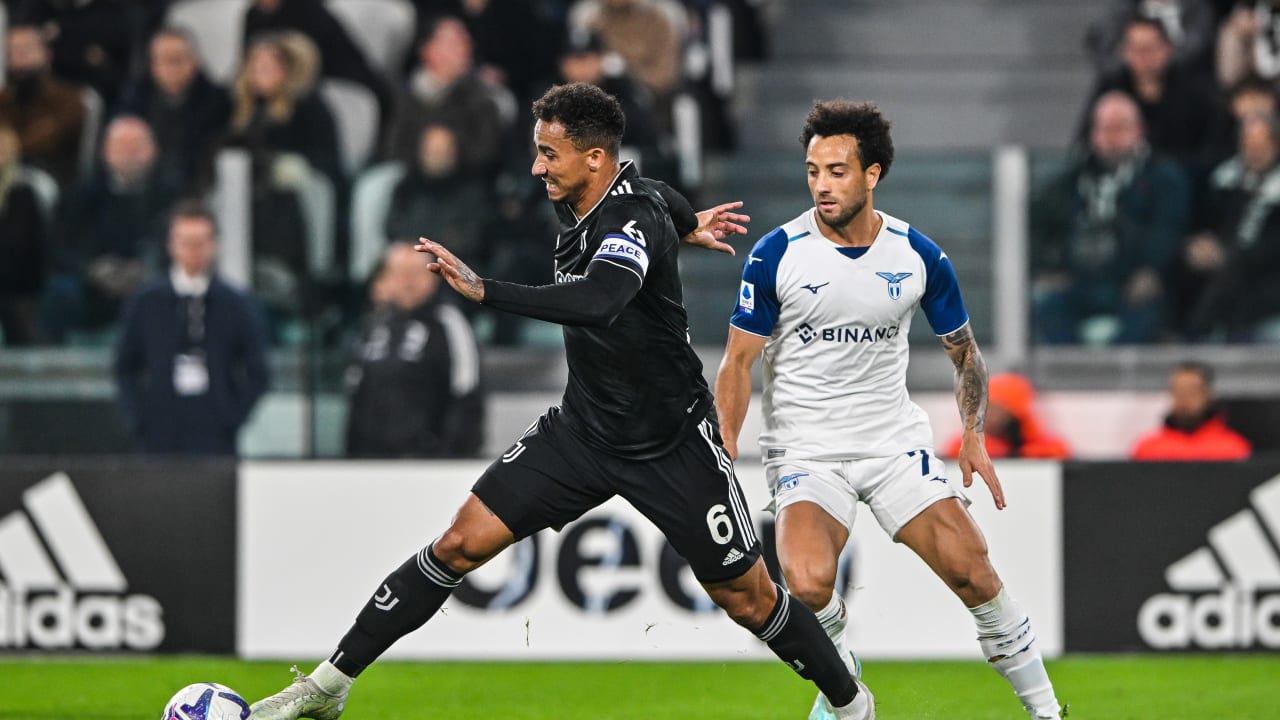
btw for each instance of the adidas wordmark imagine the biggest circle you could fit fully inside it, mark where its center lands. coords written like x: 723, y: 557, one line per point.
x: 78, y: 602
x: 1226, y: 593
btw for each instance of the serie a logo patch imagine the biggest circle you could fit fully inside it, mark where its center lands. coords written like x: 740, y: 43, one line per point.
x: 747, y: 298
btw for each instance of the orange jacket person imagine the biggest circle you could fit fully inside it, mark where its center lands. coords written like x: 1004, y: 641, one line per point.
x: 1195, y: 428
x: 1013, y: 429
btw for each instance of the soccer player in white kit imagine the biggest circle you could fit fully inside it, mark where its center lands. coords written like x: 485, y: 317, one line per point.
x: 827, y: 299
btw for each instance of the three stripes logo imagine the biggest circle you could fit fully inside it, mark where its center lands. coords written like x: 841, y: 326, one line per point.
x: 1226, y: 594
x: 60, y: 586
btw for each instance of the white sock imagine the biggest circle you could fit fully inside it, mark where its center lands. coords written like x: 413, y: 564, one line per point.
x: 1004, y: 632
x: 330, y: 679
x: 834, y: 619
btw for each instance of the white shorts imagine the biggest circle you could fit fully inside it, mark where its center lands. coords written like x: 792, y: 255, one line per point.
x: 897, y: 488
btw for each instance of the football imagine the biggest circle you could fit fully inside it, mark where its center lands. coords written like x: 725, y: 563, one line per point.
x: 206, y: 701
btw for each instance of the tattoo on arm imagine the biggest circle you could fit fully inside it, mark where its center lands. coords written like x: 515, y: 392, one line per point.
x: 971, y: 377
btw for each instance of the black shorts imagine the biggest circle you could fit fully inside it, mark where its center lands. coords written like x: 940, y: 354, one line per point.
x: 550, y: 477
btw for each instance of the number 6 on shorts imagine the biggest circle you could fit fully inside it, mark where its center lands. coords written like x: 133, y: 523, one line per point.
x: 719, y: 524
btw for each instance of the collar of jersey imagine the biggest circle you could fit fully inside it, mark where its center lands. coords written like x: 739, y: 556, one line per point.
x: 627, y: 169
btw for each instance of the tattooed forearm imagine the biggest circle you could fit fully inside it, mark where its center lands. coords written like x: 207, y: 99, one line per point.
x: 971, y: 377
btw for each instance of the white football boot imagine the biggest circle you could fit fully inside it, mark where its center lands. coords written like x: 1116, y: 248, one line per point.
x: 863, y: 707
x: 302, y: 699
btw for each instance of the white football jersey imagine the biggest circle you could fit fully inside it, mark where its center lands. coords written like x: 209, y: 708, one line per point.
x: 835, y: 364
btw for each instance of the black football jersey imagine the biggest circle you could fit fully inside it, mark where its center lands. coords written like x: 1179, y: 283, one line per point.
x: 635, y: 387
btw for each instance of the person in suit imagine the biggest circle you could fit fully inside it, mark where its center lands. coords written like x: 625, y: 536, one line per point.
x: 191, y: 361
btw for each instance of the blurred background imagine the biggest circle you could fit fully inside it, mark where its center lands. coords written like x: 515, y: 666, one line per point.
x: 1102, y: 173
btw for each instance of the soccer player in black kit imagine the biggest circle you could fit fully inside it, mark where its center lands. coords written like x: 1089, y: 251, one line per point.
x: 637, y: 419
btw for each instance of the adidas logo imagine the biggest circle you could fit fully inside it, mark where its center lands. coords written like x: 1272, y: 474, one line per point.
x: 1227, y: 593
x: 60, y: 587
x: 734, y: 556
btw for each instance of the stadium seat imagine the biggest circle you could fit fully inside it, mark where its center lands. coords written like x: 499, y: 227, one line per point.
x: 89, y: 134
x: 45, y: 188
x: 382, y: 28
x: 370, y: 202
x: 1099, y: 330
x: 216, y: 25
x: 316, y: 197
x: 355, y: 110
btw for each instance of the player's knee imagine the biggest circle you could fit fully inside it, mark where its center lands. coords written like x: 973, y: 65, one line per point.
x: 750, y: 613
x: 457, y: 551
x: 974, y: 582
x: 741, y: 606
x: 812, y: 589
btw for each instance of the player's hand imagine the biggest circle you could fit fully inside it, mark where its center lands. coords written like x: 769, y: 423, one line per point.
x: 973, y: 458
x: 454, y: 271
x: 716, y: 224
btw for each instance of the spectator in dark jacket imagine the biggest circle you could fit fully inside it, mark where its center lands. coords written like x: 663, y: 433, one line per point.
x: 340, y: 56
x: 501, y: 29
x: 1195, y: 428
x: 585, y: 59
x: 93, y: 42
x: 445, y: 90
x: 437, y: 200
x: 1105, y: 231
x: 414, y: 380
x: 1227, y: 280
x: 1180, y: 109
x: 108, y: 232
x: 187, y: 112
x: 22, y: 247
x: 1190, y: 25
x: 48, y: 114
x: 276, y: 108
x: 191, y: 361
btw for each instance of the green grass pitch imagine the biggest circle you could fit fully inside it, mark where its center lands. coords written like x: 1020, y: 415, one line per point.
x: 1097, y: 688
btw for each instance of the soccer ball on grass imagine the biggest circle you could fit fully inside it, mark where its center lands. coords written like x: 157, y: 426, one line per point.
x: 206, y: 701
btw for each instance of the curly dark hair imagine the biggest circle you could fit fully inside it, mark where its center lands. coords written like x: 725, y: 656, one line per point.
x: 591, y: 117
x: 862, y: 120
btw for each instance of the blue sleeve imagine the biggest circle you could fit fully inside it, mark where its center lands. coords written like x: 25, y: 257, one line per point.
x: 942, y: 303
x: 757, y: 309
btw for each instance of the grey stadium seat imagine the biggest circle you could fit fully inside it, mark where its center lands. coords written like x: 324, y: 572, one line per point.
x: 383, y: 29
x: 45, y: 188
x: 355, y: 111
x: 216, y: 25
x: 370, y: 203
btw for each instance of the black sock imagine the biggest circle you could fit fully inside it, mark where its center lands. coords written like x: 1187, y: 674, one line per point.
x: 402, y: 603
x: 795, y: 635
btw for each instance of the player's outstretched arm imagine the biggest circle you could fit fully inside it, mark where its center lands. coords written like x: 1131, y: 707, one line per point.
x: 594, y: 300
x: 733, y: 385
x: 455, y: 272
x: 716, y: 224
x: 971, y: 398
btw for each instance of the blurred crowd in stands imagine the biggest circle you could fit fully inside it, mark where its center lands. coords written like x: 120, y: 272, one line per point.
x: 1165, y: 226
x: 363, y: 122
x: 341, y: 129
